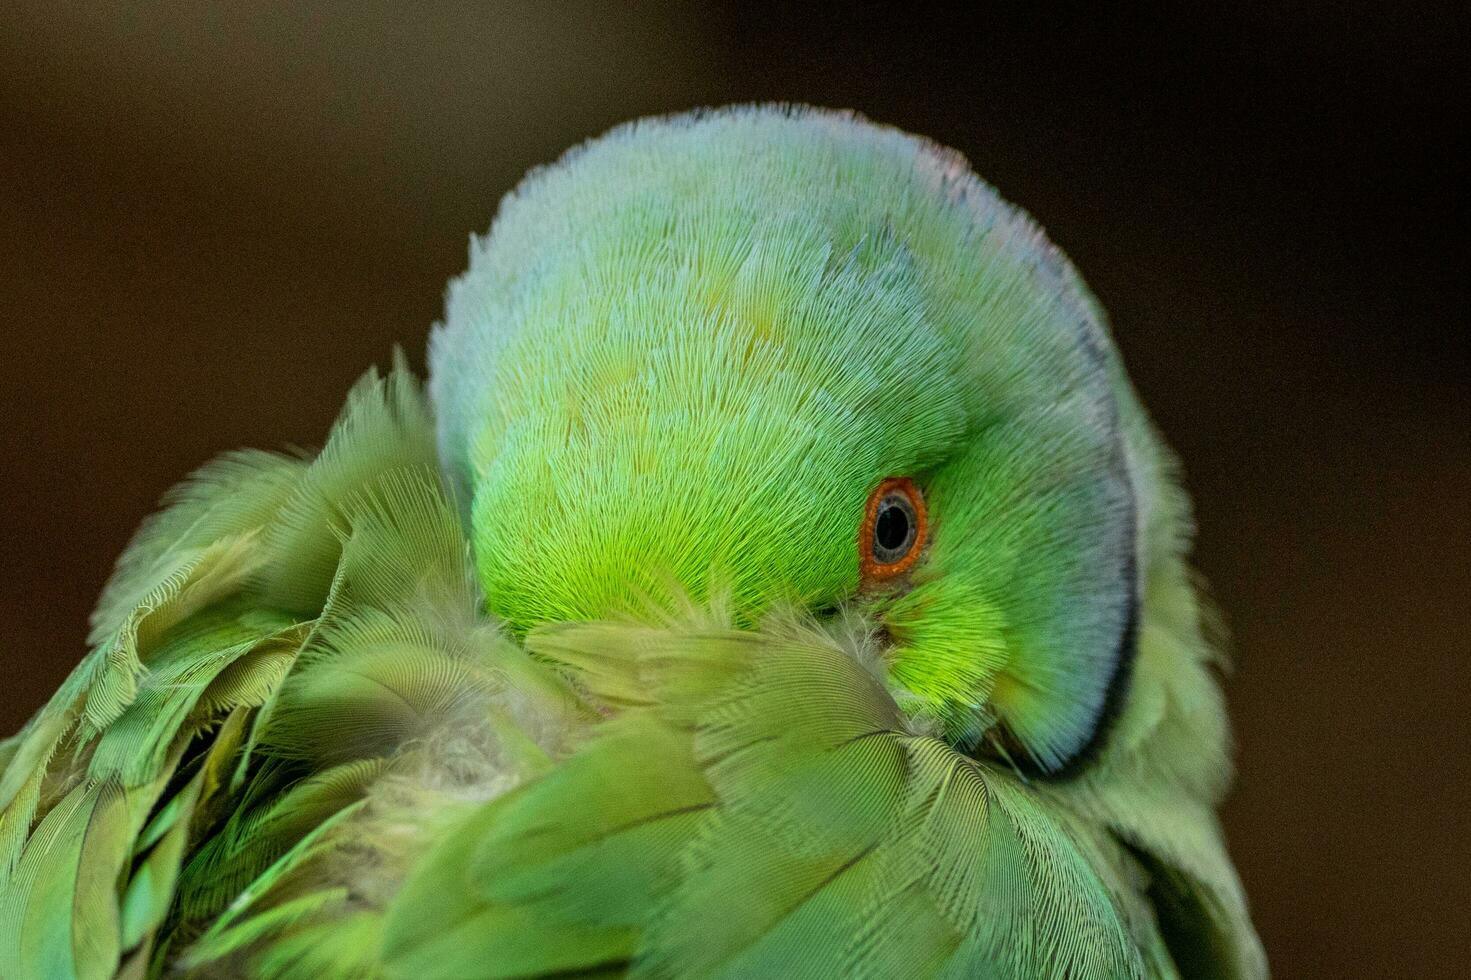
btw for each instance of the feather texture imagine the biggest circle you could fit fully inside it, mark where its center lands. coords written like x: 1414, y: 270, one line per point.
x: 301, y: 746
x: 285, y: 635
x: 767, y: 801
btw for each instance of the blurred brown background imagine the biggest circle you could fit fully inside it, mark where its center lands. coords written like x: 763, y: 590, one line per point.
x: 212, y: 221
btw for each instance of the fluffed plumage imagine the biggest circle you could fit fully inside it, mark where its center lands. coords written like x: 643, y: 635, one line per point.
x: 574, y: 671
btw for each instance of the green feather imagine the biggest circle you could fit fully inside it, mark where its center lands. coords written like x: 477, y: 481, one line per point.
x: 609, y: 695
x: 768, y: 801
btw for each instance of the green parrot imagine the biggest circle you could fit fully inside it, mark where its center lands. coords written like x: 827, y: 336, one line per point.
x: 778, y: 576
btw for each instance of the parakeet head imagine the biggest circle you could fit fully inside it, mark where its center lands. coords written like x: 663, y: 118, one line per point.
x: 789, y: 356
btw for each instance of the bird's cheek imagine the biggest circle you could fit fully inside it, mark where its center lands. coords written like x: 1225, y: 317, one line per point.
x: 949, y: 648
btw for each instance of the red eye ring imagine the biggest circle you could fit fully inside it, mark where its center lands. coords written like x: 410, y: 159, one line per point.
x: 895, y: 527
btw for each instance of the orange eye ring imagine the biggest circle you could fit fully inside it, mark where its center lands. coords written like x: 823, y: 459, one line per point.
x: 895, y: 528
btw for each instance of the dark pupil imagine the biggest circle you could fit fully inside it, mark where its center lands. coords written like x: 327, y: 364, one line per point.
x: 892, y: 526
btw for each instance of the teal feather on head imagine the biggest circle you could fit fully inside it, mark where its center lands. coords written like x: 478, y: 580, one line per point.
x: 686, y: 354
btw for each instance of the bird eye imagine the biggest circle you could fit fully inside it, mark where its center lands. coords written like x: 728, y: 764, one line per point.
x: 894, y: 527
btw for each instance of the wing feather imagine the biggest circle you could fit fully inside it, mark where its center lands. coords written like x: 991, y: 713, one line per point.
x: 760, y: 808
x: 289, y: 641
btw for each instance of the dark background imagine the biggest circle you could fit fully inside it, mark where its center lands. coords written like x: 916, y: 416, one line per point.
x: 211, y: 222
